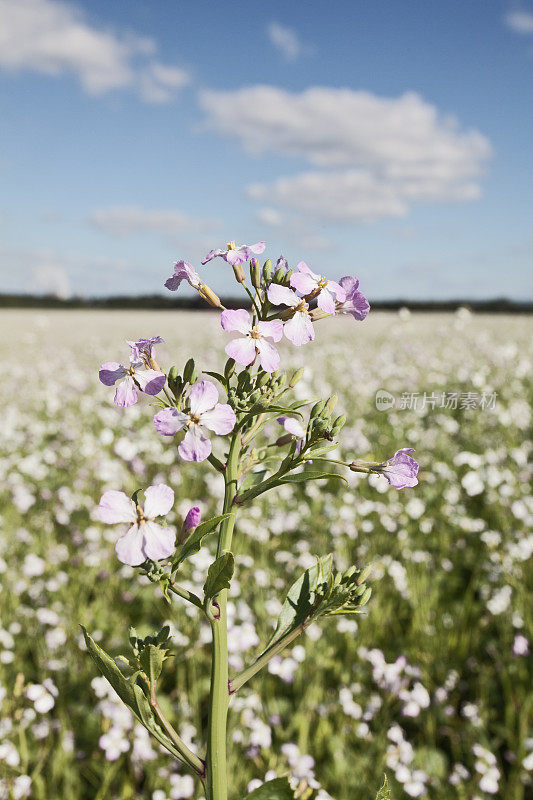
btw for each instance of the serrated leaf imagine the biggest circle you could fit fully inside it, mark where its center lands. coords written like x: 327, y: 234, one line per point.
x: 194, y: 542
x: 278, y: 789
x: 384, y: 792
x: 219, y: 574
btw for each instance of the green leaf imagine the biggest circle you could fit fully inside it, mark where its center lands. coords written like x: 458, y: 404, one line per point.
x: 151, y: 660
x: 219, y: 574
x: 384, y: 792
x: 108, y: 668
x: 194, y: 542
x: 216, y: 375
x: 252, y: 479
x: 146, y: 716
x: 302, y: 599
x: 278, y: 789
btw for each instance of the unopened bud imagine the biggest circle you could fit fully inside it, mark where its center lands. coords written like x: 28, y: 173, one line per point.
x: 174, y: 380
x: 255, y: 273
x: 190, y: 372
x: 192, y: 520
x: 338, y: 424
x: 229, y: 368
x: 361, y: 578
x: 288, y: 275
x: 285, y: 439
x: 296, y: 376
x: 239, y: 273
x: 317, y: 409
x: 363, y: 600
x: 330, y: 405
x: 263, y: 379
x: 279, y: 276
x: 267, y: 270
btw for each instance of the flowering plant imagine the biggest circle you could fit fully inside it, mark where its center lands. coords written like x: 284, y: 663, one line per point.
x: 252, y: 461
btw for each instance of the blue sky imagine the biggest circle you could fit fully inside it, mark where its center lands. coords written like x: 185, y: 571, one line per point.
x: 390, y: 140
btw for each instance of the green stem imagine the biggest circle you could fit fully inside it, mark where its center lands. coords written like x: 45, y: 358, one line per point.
x: 242, y: 677
x: 190, y: 758
x: 186, y: 595
x: 216, y: 765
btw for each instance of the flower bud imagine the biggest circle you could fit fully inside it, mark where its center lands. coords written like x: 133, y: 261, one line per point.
x: 364, y: 574
x: 338, y: 424
x: 296, y: 376
x: 263, y: 378
x: 267, y: 270
x: 279, y: 276
x: 317, y: 409
x: 239, y: 273
x: 363, y: 600
x: 190, y: 372
x: 287, y: 280
x: 229, y: 368
x: 330, y: 405
x: 192, y: 520
x: 174, y: 381
x: 255, y: 273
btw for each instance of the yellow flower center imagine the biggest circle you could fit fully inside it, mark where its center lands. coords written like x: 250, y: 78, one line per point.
x: 254, y: 333
x: 231, y: 246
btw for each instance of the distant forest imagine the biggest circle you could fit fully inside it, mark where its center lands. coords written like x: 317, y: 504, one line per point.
x: 156, y: 301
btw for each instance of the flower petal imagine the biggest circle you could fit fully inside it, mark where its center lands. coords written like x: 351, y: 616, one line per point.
x: 257, y: 248
x: 110, y: 372
x: 213, y: 254
x: 159, y: 542
x: 126, y: 393
x: 336, y: 289
x: 236, y: 320
x: 221, y: 419
x: 272, y: 329
x: 268, y: 355
x: 173, y: 283
x: 116, y: 507
x: 150, y: 380
x: 192, y: 520
x: 129, y: 547
x: 195, y: 446
x: 203, y: 395
x: 169, y: 421
x: 242, y: 350
x: 305, y: 284
x: 282, y: 296
x: 292, y: 425
x: 238, y: 255
x: 326, y: 301
x: 158, y: 501
x: 303, y: 268
x: 299, y: 330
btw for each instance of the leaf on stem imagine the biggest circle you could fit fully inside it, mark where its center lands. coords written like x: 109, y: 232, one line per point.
x: 278, y: 789
x: 219, y: 574
x: 384, y: 792
x: 194, y: 542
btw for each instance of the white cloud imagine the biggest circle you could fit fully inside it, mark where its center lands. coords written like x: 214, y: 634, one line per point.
x: 378, y: 154
x: 55, y: 38
x: 269, y: 216
x: 285, y: 40
x: 126, y: 221
x: 520, y: 21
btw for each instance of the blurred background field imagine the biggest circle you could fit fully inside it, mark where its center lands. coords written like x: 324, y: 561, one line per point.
x: 432, y: 686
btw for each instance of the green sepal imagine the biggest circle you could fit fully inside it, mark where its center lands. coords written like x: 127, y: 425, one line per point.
x: 219, y: 574
x: 194, y: 542
x: 278, y: 789
x: 384, y: 792
x: 217, y: 376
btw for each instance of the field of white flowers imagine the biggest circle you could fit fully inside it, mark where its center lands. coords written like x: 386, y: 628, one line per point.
x: 432, y: 686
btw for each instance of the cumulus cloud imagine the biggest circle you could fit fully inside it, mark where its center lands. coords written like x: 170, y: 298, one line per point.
x: 52, y: 280
x: 55, y: 38
x: 127, y: 221
x: 520, y: 21
x: 269, y: 216
x: 376, y: 155
x: 285, y: 40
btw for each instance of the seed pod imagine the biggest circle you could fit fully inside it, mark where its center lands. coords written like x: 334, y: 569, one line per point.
x: 267, y: 270
x: 229, y: 368
x: 255, y: 273
x: 239, y: 273
x: 317, y: 409
x: 296, y: 376
x: 190, y: 373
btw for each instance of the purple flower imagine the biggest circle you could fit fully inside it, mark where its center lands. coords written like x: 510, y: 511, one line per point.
x: 204, y: 412
x: 133, y: 377
x: 144, y: 538
x: 144, y: 349
x: 183, y: 271
x: 355, y: 303
x: 244, y: 350
x: 299, y: 329
x: 310, y: 283
x: 282, y: 263
x: 235, y: 255
x: 400, y: 470
x: 192, y: 520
